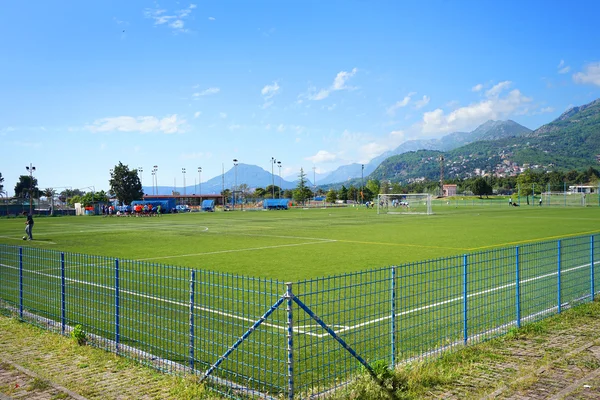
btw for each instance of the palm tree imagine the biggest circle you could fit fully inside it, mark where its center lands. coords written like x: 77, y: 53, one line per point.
x: 50, y: 193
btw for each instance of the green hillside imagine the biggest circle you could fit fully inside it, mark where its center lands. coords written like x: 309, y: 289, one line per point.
x: 572, y: 141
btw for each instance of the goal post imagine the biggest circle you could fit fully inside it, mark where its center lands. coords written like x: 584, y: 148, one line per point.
x: 411, y: 203
x: 564, y: 199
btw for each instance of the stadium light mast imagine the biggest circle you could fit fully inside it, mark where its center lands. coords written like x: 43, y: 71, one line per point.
x: 200, y: 183
x: 155, y: 173
x: 442, y: 176
x: 30, y: 168
x: 141, y: 171
x: 183, y: 172
x: 273, y: 161
x: 314, y: 182
x: 362, y: 183
x: 235, y: 164
x: 279, y: 165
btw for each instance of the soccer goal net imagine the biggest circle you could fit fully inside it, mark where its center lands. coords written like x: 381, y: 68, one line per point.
x: 404, y: 204
x: 564, y: 199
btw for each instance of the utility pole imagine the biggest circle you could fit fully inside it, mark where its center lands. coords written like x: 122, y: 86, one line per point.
x: 273, y: 161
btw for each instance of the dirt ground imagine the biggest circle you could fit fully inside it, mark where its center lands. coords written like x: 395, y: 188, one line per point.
x: 558, y: 363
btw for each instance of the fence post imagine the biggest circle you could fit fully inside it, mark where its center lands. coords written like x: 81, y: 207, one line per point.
x: 117, y: 306
x: 192, y: 289
x: 21, y: 282
x: 518, y: 287
x: 393, y: 316
x: 465, y: 314
x: 63, y: 305
x: 290, y: 341
x: 592, y: 289
x: 558, y: 280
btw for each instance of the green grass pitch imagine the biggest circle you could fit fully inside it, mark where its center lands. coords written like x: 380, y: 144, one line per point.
x: 302, y: 244
x: 297, y: 245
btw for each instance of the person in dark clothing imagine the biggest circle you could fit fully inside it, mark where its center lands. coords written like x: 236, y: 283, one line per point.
x: 29, y: 227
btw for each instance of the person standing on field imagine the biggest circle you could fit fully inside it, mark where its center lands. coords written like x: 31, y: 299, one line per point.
x: 29, y: 227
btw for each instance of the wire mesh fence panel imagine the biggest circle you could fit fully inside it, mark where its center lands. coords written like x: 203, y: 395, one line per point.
x: 357, y: 307
x: 491, y: 292
x: 538, y: 280
x: 430, y: 307
x: 254, y: 337
x: 9, y: 275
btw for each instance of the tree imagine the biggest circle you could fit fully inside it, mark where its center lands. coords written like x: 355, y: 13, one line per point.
x: 343, y: 194
x: 259, y: 193
x: 26, y: 187
x: 353, y: 193
x: 526, y: 181
x: 50, y: 193
x: 373, y: 186
x: 481, y: 187
x: 302, y: 192
x: 69, y: 193
x: 125, y: 184
x: 1, y: 180
x: 331, y: 196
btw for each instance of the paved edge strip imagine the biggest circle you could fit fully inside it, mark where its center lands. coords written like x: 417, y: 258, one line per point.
x: 34, y: 375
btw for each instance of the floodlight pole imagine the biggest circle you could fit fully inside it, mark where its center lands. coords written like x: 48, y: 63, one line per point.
x: 183, y: 172
x: 30, y: 168
x: 273, y: 161
x: 235, y: 164
x: 155, y: 173
x: 362, y: 184
x: 141, y: 171
x: 279, y: 165
x: 314, y: 182
x: 200, y: 183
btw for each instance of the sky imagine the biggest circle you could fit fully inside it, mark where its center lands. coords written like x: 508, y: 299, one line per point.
x: 181, y: 85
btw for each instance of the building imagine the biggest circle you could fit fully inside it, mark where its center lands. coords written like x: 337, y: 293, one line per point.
x: 449, y: 190
x: 587, y: 189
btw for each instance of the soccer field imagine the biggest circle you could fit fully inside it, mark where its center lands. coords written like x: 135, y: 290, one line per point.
x: 229, y: 268
x: 302, y: 244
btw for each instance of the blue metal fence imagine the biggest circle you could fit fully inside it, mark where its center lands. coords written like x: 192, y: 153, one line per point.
x: 270, y: 339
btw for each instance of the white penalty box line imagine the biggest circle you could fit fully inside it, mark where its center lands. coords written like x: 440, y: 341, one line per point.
x: 297, y: 329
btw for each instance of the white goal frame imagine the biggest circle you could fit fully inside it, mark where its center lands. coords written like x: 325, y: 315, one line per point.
x: 399, y: 203
x: 564, y: 199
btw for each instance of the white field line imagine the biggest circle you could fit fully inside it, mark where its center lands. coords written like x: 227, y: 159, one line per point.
x: 21, y: 239
x: 455, y: 299
x: 177, y: 303
x: 237, y: 250
x: 345, y: 329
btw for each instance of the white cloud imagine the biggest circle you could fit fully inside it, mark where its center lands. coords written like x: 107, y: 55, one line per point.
x: 590, y: 74
x: 174, y: 20
x: 209, y: 91
x: 234, y: 127
x: 399, y: 104
x: 322, y: 156
x: 339, y: 83
x: 222, y: 115
x: 197, y: 114
x: 211, y: 18
x: 144, y: 124
x: 497, y: 89
x: 477, y: 88
x: 270, y: 90
x: 341, y: 78
x: 422, y: 103
x: 468, y: 117
x: 545, y: 110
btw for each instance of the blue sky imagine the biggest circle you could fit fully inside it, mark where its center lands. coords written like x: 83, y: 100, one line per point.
x: 320, y: 84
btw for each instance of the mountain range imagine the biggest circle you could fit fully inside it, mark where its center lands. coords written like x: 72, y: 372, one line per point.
x: 572, y: 141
